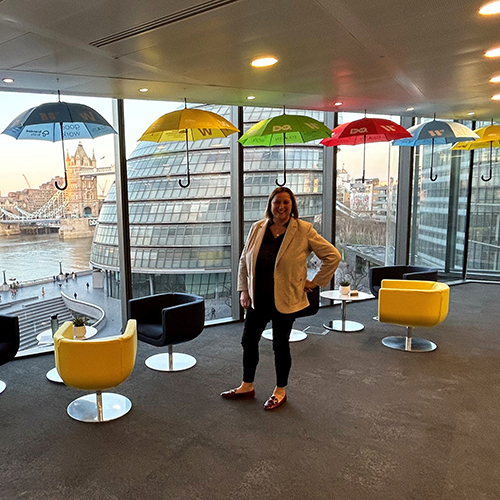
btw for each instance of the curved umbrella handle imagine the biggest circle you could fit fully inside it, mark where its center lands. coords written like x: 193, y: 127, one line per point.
x: 483, y: 178
x: 188, y: 180
x: 433, y: 177
x: 486, y: 179
x: 65, y: 182
x: 284, y: 179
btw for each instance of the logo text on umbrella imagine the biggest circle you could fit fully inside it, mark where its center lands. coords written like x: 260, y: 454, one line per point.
x: 205, y: 131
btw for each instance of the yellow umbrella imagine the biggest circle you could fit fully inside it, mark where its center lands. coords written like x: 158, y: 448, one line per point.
x: 489, y: 137
x: 185, y: 125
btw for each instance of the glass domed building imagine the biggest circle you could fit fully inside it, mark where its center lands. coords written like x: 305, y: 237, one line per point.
x: 181, y: 237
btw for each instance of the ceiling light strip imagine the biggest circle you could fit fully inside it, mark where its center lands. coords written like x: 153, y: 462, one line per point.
x: 180, y: 15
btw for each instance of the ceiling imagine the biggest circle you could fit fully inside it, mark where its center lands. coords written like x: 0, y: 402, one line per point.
x: 380, y: 56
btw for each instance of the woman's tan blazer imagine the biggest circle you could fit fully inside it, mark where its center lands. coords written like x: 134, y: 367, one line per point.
x: 290, y: 271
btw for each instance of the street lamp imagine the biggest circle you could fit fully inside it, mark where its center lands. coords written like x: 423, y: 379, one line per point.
x: 60, y: 267
x: 5, y: 286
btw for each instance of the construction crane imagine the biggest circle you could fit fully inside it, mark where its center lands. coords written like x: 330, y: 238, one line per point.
x: 27, y: 182
x: 103, y: 188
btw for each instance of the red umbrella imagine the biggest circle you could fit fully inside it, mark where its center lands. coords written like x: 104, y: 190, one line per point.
x: 363, y: 131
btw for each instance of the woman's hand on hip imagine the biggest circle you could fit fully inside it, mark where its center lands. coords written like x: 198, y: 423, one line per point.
x: 309, y: 286
x: 245, y: 299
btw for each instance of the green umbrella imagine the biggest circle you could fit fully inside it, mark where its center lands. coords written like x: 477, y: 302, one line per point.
x: 282, y: 130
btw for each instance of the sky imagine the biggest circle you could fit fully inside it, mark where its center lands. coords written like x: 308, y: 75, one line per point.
x: 33, y: 162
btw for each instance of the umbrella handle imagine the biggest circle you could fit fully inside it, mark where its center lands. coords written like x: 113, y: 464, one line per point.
x: 188, y: 180
x: 284, y: 178
x: 483, y: 178
x: 284, y: 164
x: 65, y: 182
x: 64, y: 163
x: 187, y: 161
x: 486, y: 179
x: 431, y: 176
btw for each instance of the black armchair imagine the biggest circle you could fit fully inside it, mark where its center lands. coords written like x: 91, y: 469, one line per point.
x: 377, y: 274
x: 9, y: 341
x: 165, y: 320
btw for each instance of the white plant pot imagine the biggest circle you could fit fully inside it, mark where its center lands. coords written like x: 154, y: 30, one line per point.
x: 79, y: 332
x: 345, y: 290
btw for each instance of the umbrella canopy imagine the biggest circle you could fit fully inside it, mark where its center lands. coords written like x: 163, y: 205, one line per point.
x: 44, y: 123
x: 188, y: 124
x: 363, y: 131
x: 436, y: 132
x: 195, y: 124
x: 57, y: 121
x: 489, y: 137
x: 282, y: 130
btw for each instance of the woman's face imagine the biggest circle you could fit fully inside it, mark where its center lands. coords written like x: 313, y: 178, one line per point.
x: 281, y: 207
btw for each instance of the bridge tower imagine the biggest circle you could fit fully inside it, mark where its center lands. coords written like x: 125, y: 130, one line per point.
x: 82, y: 190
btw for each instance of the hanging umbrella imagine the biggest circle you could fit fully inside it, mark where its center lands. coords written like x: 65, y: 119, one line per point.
x: 282, y: 130
x: 57, y: 121
x: 364, y: 131
x: 436, y: 132
x: 188, y: 125
x: 489, y: 137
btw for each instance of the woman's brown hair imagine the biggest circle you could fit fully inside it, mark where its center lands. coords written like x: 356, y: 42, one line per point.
x: 295, y: 211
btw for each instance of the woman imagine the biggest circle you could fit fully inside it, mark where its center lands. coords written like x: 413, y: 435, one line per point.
x: 273, y: 283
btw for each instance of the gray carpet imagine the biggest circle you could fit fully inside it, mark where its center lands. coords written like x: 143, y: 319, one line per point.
x: 362, y: 421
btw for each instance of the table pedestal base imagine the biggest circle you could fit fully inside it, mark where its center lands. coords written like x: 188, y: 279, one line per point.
x: 295, y: 335
x: 53, y: 376
x: 344, y: 326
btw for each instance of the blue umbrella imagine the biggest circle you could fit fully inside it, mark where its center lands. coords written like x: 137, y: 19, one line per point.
x: 436, y: 132
x: 57, y: 121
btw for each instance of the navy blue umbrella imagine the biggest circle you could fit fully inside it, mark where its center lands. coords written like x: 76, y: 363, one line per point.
x: 57, y: 121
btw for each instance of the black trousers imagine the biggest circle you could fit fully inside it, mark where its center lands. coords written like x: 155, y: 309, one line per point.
x: 255, y: 323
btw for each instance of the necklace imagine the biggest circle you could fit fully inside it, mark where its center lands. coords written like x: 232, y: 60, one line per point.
x: 278, y: 231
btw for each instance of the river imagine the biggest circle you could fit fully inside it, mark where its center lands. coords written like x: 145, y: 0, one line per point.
x: 29, y: 257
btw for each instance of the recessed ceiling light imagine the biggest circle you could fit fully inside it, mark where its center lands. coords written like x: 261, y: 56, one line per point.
x: 338, y: 104
x: 470, y: 113
x: 490, y: 8
x: 8, y: 80
x: 251, y: 97
x: 493, y: 52
x: 410, y: 109
x: 262, y: 62
x: 144, y: 89
x: 496, y: 97
x: 495, y: 79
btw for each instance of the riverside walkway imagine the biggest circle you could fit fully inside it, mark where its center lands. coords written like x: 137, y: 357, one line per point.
x: 31, y: 293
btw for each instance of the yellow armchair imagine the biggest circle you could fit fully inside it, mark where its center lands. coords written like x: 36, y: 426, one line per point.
x: 412, y: 304
x: 96, y: 365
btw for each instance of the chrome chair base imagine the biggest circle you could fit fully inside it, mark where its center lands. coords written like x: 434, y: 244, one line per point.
x: 295, y: 335
x: 3, y: 385
x: 410, y: 344
x: 100, y: 407
x: 170, y: 362
x: 53, y: 376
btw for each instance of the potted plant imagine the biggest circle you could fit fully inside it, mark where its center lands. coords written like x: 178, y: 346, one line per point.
x: 79, y: 327
x: 345, y: 287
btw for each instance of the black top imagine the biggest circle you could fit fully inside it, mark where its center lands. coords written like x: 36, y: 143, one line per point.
x: 264, y: 268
